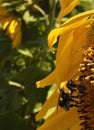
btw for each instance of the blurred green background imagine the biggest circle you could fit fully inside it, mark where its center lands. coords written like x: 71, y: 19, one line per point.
x: 21, y: 67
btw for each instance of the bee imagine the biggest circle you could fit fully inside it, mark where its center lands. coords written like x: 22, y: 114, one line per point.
x: 66, y: 98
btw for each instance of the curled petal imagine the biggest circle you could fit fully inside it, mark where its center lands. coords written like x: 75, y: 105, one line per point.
x: 80, y: 20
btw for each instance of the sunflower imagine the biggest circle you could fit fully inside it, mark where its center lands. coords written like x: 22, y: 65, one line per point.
x: 11, y: 24
x: 74, y: 61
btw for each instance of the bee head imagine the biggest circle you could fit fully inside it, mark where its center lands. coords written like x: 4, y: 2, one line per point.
x: 63, y: 87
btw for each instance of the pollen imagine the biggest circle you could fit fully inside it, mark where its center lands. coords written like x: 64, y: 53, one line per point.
x: 63, y: 86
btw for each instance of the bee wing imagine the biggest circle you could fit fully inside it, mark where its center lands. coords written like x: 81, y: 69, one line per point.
x: 57, y: 103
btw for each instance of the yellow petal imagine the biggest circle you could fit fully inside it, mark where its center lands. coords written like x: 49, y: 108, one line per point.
x: 66, y: 7
x: 12, y: 26
x: 51, y: 102
x: 46, y: 81
x: 5, y: 22
x: 80, y: 20
x: 5, y: 25
x: 69, y: 56
x: 16, y: 36
x: 62, y: 120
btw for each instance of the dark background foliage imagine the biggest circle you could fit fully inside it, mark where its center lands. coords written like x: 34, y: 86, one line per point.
x: 21, y: 67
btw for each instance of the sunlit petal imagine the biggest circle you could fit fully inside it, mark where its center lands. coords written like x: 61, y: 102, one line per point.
x: 66, y: 7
